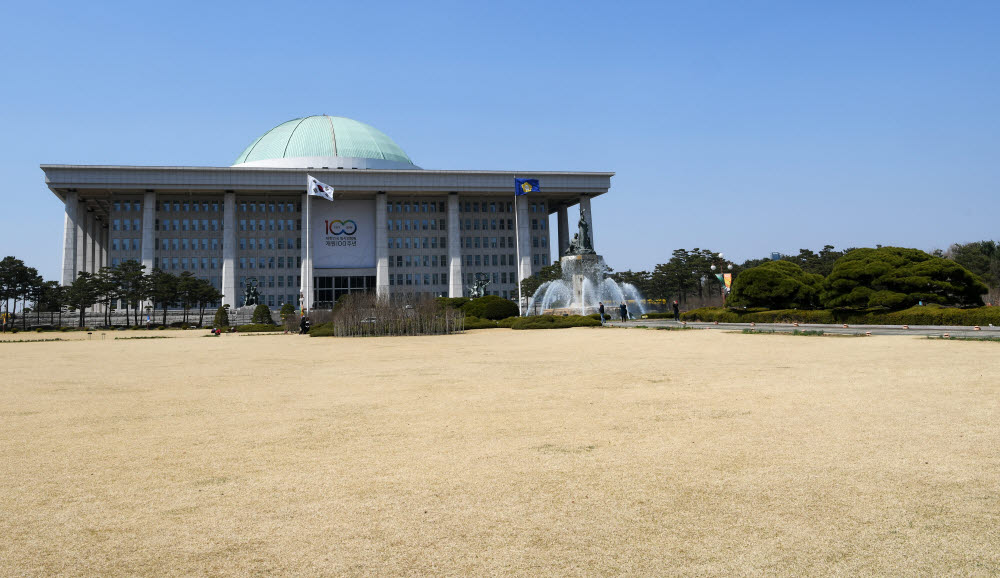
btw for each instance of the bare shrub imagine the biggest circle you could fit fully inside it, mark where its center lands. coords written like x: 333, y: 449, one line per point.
x: 366, y: 315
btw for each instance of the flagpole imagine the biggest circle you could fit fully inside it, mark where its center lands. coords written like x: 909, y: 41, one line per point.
x: 517, y: 236
x: 303, y: 286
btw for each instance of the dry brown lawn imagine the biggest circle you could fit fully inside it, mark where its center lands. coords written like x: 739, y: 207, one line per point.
x: 571, y: 452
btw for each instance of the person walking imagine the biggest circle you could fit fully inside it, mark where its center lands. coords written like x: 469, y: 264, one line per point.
x: 677, y: 311
x: 600, y: 309
x: 624, y: 311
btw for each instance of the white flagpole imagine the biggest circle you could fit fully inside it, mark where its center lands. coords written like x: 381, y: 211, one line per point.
x: 517, y: 236
x: 303, y: 286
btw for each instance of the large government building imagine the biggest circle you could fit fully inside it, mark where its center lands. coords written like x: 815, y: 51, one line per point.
x: 393, y: 227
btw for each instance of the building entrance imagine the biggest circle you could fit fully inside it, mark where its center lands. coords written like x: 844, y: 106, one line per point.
x: 328, y: 289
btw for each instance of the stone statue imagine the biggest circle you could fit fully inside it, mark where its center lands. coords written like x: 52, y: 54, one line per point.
x: 581, y: 243
x: 586, y: 245
x: 250, y: 294
x: 478, y: 289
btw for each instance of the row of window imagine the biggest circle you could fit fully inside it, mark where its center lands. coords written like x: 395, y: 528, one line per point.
x: 271, y: 225
x: 188, y: 225
x: 126, y: 224
x: 296, y: 207
x: 486, y: 260
x: 495, y: 224
x: 416, y: 225
x: 185, y: 264
x: 187, y: 206
x: 270, y: 207
x: 127, y: 206
x: 125, y: 244
x: 418, y: 242
x: 254, y: 243
x: 498, y: 207
x: 415, y: 279
x: 417, y: 206
x: 296, y: 224
x: 466, y: 207
x: 418, y: 261
x: 164, y: 244
x: 269, y: 262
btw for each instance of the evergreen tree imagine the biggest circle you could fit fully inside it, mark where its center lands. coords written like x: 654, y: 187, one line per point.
x: 262, y: 315
x: 776, y: 285
x: 221, y: 320
x: 163, y: 290
x: 82, y: 294
x: 897, y: 278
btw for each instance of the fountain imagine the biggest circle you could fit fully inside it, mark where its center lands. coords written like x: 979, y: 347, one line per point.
x: 583, y: 284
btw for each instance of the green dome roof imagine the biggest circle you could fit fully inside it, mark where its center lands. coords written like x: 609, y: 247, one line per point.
x: 324, y: 136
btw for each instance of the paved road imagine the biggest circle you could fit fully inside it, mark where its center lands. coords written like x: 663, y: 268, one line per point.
x: 935, y: 330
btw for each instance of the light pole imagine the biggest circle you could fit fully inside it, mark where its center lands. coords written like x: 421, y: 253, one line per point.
x: 721, y: 276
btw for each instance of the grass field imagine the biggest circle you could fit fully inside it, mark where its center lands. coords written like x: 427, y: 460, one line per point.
x: 567, y: 452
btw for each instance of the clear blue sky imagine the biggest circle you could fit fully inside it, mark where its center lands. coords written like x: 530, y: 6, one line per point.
x: 744, y: 127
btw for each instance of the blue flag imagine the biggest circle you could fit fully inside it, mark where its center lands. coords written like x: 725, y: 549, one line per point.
x: 525, y: 186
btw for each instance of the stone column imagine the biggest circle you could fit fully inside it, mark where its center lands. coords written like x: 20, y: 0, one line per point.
x: 91, y: 242
x: 104, y: 244
x: 148, y: 245
x: 563, y: 225
x: 307, y: 251
x: 69, y: 239
x: 524, y: 239
x: 585, y: 213
x: 381, y: 246
x: 81, y: 239
x: 454, y: 248
x: 229, y: 291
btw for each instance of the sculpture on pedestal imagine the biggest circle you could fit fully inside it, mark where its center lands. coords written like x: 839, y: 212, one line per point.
x: 250, y: 294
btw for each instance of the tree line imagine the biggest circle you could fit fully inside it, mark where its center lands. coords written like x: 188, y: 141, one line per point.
x: 128, y: 283
x: 688, y: 274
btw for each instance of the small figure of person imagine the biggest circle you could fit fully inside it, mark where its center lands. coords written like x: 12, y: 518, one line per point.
x: 624, y: 311
x: 677, y: 311
x: 600, y: 309
x: 303, y: 325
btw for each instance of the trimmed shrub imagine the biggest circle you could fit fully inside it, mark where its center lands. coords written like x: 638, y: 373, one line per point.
x: 508, y: 323
x: 257, y: 327
x: 287, y: 311
x: 554, y: 322
x: 452, y: 302
x: 917, y: 315
x: 777, y: 285
x: 322, y: 330
x: 472, y: 322
x: 491, y: 307
x: 262, y: 315
x: 221, y: 320
x: 896, y: 277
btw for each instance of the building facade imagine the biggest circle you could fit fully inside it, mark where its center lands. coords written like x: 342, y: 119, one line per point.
x: 393, y: 227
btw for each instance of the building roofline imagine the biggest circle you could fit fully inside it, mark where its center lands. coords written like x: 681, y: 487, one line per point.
x: 318, y: 169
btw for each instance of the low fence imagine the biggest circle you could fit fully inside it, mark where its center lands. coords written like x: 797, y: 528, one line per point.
x: 174, y: 317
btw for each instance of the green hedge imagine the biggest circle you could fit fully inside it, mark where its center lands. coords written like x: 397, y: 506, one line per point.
x: 452, y: 302
x: 491, y: 307
x: 554, y: 322
x: 473, y: 322
x: 257, y: 328
x: 321, y: 330
x: 919, y: 315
